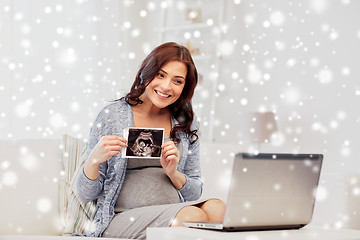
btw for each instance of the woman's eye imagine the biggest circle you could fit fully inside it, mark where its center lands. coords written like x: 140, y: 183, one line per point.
x: 160, y: 75
x: 177, y: 81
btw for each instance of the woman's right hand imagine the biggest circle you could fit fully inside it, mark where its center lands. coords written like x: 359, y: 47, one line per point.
x: 107, y: 147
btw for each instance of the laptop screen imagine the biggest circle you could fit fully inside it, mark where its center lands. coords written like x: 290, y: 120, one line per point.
x: 272, y: 190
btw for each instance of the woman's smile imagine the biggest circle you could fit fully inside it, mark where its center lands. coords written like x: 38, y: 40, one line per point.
x: 162, y: 95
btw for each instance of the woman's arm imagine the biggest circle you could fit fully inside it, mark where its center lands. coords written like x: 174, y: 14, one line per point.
x: 192, y: 189
x: 188, y: 180
x: 88, y: 189
x: 89, y: 182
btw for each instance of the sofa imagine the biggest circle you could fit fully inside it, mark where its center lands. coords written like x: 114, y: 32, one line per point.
x: 38, y: 202
x: 37, y: 189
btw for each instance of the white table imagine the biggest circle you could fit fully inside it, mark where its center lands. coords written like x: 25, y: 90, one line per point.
x: 308, y: 233
x: 44, y: 237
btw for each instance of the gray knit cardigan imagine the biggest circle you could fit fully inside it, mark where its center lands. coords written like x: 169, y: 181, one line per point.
x: 112, y: 120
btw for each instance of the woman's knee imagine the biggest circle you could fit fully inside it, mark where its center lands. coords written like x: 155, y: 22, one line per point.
x: 214, y: 203
x: 189, y: 214
x: 214, y: 209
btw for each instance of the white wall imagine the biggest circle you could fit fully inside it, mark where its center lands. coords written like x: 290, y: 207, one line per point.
x: 299, y: 60
x: 295, y: 58
x: 61, y: 61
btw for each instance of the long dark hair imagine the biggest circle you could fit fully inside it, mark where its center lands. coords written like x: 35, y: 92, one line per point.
x: 181, y: 109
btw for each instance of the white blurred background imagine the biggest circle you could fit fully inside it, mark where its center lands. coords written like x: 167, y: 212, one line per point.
x: 62, y: 61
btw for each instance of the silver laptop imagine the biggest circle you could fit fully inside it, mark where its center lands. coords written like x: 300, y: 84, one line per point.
x: 269, y: 191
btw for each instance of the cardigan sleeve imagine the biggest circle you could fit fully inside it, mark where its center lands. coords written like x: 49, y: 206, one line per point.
x: 192, y: 188
x: 87, y: 189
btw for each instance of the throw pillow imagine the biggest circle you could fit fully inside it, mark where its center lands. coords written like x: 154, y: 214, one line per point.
x: 77, y: 215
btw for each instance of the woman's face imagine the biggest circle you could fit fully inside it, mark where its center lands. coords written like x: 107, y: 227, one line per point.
x: 167, y: 85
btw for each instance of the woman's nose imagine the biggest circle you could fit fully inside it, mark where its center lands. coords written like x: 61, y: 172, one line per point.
x: 166, y: 84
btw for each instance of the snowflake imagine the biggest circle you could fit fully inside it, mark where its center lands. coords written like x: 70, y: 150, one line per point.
x: 23, y: 109
x: 325, y: 76
x: 277, y: 18
x: 67, y: 57
x: 9, y: 178
x: 44, y: 205
x: 254, y: 74
x: 291, y: 95
x: 57, y: 120
x: 28, y: 160
x: 226, y: 48
x: 345, y: 71
x: 319, y: 6
x: 321, y: 193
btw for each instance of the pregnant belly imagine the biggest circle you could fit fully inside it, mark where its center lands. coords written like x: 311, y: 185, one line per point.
x: 146, y: 187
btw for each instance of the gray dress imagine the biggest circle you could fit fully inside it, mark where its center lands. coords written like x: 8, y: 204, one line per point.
x: 147, y: 199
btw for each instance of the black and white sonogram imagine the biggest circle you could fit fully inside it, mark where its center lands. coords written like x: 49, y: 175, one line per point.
x: 143, y: 142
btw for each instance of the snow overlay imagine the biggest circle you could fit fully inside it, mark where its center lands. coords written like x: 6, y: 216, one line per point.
x: 61, y: 62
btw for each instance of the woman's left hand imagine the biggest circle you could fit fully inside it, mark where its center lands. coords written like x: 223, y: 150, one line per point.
x: 170, y: 157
